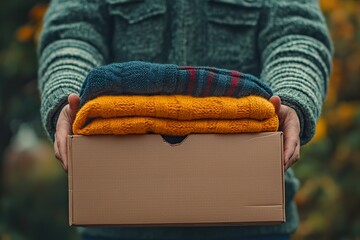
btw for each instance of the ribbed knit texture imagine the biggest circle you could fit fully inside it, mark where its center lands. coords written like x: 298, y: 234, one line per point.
x: 296, y: 58
x: 293, y: 45
x: 175, y: 115
x: 144, y: 78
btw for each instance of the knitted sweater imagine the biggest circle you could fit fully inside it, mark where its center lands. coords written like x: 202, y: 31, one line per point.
x: 284, y: 43
x: 143, y: 78
x: 175, y: 115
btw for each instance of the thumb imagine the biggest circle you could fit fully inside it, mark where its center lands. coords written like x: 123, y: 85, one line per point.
x: 276, y: 101
x: 74, y: 103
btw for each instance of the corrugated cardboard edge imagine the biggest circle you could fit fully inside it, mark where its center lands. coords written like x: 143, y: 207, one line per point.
x: 283, y: 172
x: 70, y: 178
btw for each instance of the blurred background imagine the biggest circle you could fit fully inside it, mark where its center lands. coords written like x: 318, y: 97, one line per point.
x: 33, y: 187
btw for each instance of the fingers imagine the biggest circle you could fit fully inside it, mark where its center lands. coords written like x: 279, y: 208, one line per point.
x: 294, y: 157
x: 291, y: 150
x: 290, y: 125
x: 63, y: 129
x: 56, y: 150
x: 62, y: 146
x: 291, y: 140
x: 276, y: 101
x: 57, y: 153
x: 74, y: 102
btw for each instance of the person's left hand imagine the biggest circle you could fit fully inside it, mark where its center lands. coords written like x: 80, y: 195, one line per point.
x: 290, y: 125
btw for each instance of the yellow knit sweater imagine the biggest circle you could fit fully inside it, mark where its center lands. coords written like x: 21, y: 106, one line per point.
x: 175, y: 115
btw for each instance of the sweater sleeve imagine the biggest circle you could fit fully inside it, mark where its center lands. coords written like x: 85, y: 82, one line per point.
x: 74, y: 40
x: 296, y: 53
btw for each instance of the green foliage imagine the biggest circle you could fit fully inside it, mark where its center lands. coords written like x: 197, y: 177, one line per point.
x: 35, y: 206
x: 33, y: 203
x: 329, y: 198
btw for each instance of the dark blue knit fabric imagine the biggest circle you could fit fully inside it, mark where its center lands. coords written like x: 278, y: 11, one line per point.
x: 143, y: 78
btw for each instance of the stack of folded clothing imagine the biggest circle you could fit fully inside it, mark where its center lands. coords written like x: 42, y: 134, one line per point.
x: 139, y: 97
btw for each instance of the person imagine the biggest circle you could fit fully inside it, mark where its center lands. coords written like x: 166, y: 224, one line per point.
x: 284, y: 43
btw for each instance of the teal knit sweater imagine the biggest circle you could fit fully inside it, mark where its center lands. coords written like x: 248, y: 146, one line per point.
x: 284, y: 43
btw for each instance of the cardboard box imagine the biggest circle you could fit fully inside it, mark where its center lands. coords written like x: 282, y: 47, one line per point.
x: 208, y: 179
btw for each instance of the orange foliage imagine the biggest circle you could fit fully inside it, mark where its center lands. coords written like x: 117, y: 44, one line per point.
x: 334, y: 82
x: 25, y: 33
x: 329, y: 5
x: 31, y: 30
x: 38, y: 11
x: 342, y: 28
x: 346, y: 112
x: 321, y: 130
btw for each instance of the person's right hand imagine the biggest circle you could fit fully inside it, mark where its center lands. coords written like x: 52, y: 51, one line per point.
x: 64, y: 128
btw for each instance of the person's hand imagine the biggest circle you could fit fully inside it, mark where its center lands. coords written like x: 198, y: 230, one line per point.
x: 290, y: 125
x: 64, y: 128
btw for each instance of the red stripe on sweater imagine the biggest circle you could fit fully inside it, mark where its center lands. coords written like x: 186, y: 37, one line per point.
x: 191, y: 84
x: 209, y: 83
x: 234, y: 83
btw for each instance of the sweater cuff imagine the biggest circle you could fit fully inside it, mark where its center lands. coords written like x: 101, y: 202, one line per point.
x: 297, y: 68
x: 64, y: 65
x: 302, y: 109
x: 51, y: 107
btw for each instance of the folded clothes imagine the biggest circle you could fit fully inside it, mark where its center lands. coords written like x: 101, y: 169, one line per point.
x: 143, y: 78
x: 175, y: 115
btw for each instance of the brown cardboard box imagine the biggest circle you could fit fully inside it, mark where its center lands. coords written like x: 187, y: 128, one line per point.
x: 205, y: 180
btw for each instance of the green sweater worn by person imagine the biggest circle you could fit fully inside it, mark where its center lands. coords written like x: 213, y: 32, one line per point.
x: 284, y: 43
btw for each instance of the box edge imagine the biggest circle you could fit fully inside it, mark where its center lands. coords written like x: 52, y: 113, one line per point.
x: 70, y: 179
x: 283, y: 173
